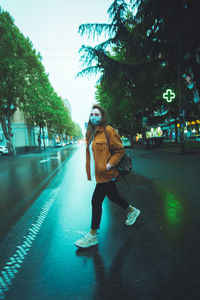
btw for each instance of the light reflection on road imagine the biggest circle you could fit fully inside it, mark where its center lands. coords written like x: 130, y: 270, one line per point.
x: 22, y: 179
x: 173, y: 208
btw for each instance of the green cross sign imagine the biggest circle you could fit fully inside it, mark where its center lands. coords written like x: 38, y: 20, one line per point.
x: 169, y: 95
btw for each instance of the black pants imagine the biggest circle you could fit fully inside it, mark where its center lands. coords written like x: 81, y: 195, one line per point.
x: 101, y: 190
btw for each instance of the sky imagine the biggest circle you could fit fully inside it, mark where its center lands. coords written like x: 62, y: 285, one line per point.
x: 52, y: 26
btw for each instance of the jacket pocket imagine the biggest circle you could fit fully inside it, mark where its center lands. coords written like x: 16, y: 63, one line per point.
x: 101, y: 145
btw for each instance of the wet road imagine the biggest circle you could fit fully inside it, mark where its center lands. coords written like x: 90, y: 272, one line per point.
x: 22, y: 178
x: 157, y: 258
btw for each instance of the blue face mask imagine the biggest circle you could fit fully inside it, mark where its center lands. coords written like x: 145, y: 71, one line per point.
x: 95, y: 120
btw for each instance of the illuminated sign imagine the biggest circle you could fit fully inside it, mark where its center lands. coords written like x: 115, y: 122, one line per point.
x: 193, y: 122
x: 169, y: 95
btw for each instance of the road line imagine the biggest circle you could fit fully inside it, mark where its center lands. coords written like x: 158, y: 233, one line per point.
x: 12, y: 266
x: 43, y: 161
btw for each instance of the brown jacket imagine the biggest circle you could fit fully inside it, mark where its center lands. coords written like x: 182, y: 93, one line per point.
x: 102, y: 155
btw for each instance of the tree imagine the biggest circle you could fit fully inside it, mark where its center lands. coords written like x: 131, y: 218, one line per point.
x: 12, y: 75
x: 77, y: 132
x: 173, y: 32
x: 144, y: 55
x: 125, y: 67
x: 24, y: 85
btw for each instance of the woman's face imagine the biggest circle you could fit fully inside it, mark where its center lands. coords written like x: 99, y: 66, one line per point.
x: 96, y: 112
x: 95, y: 117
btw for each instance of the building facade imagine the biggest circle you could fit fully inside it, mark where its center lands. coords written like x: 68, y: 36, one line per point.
x: 68, y: 105
x: 25, y: 133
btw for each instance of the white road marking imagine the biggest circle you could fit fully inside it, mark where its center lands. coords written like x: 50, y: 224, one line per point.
x: 12, y: 266
x: 44, y: 160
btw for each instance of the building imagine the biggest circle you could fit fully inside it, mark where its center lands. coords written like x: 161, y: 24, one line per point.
x: 68, y: 105
x: 25, y: 133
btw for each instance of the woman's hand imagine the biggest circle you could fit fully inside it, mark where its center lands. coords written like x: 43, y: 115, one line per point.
x: 109, y: 167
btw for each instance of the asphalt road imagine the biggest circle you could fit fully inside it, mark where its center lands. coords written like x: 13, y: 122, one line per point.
x: 22, y: 179
x: 157, y: 258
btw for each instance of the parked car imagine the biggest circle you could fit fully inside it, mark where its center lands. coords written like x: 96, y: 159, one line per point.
x: 197, y: 137
x: 58, y: 145
x: 126, y: 142
x: 3, y: 150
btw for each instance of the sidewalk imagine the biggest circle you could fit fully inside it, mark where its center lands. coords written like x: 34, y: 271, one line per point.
x: 171, y: 147
x: 43, y: 152
x: 190, y: 148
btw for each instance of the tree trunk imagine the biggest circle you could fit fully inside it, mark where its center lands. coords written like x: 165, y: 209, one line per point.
x: 39, y: 139
x: 7, y: 131
x: 131, y: 135
x: 176, y: 131
x: 181, y: 128
x: 196, y: 71
x: 43, y: 138
x: 143, y: 130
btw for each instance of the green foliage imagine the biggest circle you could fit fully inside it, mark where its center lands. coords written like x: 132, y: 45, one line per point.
x: 145, y: 53
x: 24, y: 84
x: 125, y: 87
x: 76, y: 131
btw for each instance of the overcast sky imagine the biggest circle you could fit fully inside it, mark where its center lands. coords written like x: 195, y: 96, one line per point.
x: 52, y: 26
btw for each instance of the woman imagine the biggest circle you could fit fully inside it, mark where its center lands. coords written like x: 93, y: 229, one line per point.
x: 100, y: 163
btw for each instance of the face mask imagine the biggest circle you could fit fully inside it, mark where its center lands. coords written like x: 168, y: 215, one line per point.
x: 95, y: 120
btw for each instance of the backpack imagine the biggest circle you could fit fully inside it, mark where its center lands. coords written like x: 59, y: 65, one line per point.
x: 124, y: 167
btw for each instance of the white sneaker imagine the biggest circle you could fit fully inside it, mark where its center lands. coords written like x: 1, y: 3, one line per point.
x: 132, y: 216
x: 88, y: 240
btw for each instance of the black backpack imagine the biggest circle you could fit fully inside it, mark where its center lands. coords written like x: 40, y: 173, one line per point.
x: 125, y: 165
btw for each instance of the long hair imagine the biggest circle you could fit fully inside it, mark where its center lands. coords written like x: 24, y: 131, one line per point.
x: 91, y: 128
